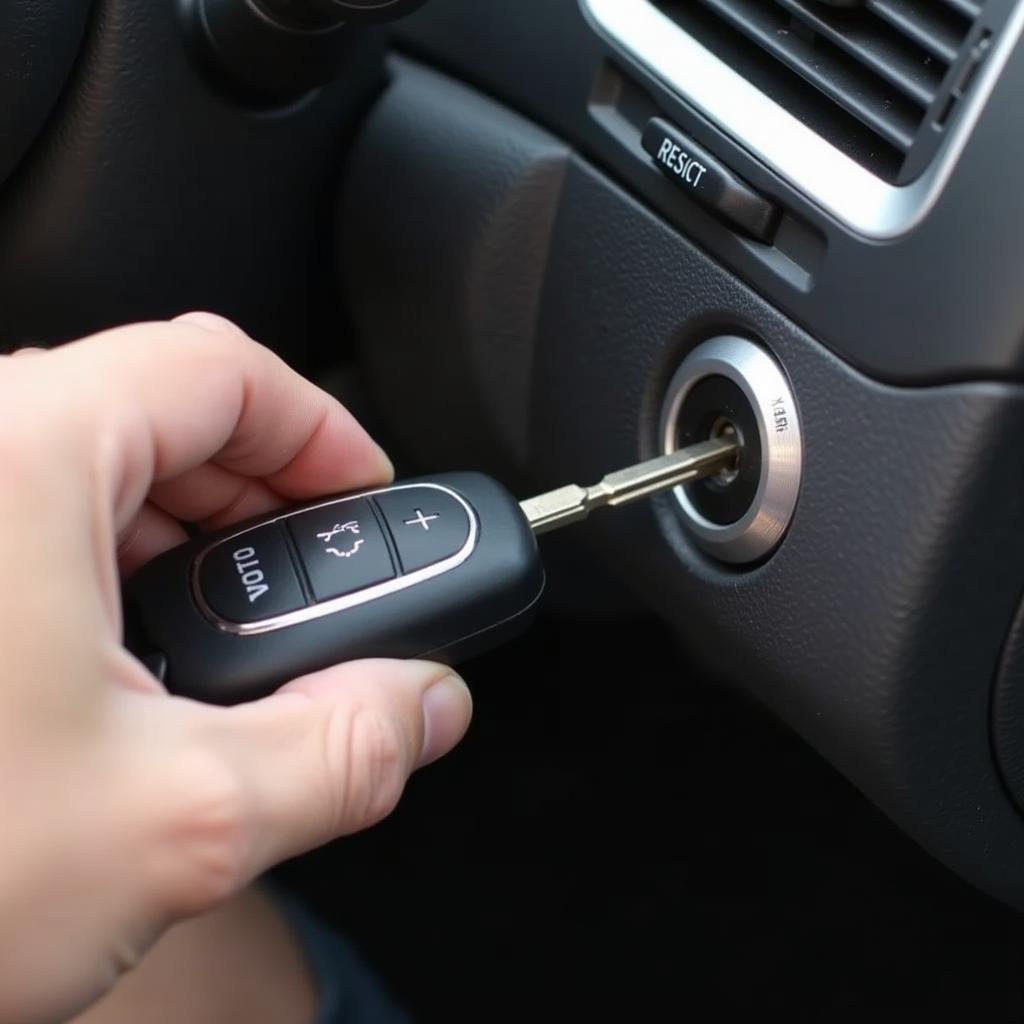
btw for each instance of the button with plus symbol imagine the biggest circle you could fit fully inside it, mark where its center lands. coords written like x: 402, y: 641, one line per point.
x: 421, y: 520
x: 427, y: 524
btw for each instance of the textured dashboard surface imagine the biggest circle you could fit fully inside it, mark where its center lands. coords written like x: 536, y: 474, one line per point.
x: 153, y: 192
x: 38, y: 43
x: 942, y: 303
x: 463, y: 241
x: 1008, y: 711
x: 876, y: 628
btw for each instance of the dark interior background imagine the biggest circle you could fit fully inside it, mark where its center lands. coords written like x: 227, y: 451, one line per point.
x: 622, y: 837
x: 623, y: 834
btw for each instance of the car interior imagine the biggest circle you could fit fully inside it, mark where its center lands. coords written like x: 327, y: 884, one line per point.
x: 762, y: 749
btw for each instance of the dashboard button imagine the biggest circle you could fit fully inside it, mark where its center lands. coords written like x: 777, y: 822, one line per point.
x: 427, y: 524
x: 342, y: 548
x: 709, y: 181
x: 251, y: 577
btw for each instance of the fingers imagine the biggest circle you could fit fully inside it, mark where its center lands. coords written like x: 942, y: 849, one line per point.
x: 334, y: 432
x: 151, y: 533
x: 213, y: 496
x: 173, y: 396
x: 210, y: 322
x: 207, y: 495
x: 330, y: 754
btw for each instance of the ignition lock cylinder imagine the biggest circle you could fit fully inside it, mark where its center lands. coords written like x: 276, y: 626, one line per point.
x: 731, y: 387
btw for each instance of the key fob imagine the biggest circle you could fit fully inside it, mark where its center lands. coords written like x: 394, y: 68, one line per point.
x: 441, y: 568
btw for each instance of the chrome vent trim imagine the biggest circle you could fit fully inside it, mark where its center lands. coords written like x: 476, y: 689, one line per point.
x: 835, y: 182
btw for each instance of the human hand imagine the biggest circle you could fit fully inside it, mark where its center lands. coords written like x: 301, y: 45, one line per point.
x: 126, y: 809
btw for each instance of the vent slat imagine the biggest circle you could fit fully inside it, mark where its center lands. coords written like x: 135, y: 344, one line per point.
x: 876, y: 46
x: 968, y: 8
x: 875, y: 78
x: 930, y: 26
x: 888, y: 113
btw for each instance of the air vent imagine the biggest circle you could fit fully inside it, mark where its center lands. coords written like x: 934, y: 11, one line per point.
x: 879, y: 79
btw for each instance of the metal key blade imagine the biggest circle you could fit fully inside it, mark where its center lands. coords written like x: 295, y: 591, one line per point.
x: 573, y: 504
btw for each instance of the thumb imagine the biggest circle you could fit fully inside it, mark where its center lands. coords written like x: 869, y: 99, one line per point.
x: 330, y: 753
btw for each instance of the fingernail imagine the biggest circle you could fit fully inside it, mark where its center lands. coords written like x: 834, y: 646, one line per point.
x: 209, y: 322
x: 388, y: 467
x: 447, y: 709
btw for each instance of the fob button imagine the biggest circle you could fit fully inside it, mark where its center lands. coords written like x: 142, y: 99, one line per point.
x: 251, y: 577
x: 427, y: 525
x: 342, y: 548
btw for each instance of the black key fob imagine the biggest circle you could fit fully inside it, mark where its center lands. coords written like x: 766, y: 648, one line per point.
x: 441, y: 568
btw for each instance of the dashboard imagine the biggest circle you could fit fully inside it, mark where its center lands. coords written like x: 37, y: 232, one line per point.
x: 566, y: 278
x: 556, y: 236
